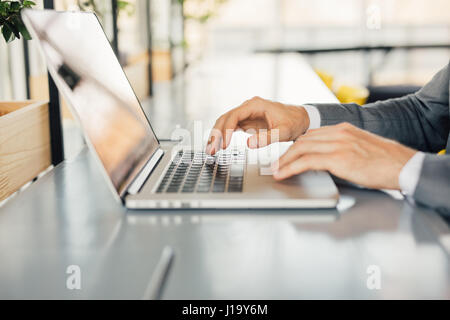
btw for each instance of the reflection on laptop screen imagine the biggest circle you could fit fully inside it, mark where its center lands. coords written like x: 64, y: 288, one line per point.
x: 92, y: 81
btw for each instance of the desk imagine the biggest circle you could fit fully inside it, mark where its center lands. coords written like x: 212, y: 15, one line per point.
x: 69, y: 217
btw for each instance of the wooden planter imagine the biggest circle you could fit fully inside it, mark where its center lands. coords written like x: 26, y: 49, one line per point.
x: 24, y: 143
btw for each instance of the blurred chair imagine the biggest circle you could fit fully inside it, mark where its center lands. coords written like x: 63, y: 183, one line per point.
x: 326, y: 78
x: 352, y: 94
x: 345, y: 94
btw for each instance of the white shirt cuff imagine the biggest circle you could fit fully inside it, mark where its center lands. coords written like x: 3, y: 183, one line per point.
x: 410, y: 173
x: 314, y: 116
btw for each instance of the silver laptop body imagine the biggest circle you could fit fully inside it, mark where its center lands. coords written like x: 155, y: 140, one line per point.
x: 141, y: 171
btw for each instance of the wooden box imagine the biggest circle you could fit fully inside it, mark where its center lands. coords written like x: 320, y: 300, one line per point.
x: 24, y: 143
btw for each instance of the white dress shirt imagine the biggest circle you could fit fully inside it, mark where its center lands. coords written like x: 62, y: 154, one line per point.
x: 410, y: 173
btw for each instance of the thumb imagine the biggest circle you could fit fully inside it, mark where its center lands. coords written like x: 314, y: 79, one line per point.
x: 263, y: 138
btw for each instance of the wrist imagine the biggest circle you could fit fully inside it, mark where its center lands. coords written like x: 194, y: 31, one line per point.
x: 306, y: 119
x: 302, y: 121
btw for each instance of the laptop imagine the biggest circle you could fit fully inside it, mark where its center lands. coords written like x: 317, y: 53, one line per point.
x: 141, y: 171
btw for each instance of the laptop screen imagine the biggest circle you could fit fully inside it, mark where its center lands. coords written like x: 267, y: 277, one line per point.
x: 88, y: 74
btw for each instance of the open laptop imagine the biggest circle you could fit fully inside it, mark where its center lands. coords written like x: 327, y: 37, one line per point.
x: 142, y: 172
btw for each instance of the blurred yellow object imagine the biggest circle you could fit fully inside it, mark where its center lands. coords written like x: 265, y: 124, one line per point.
x: 441, y: 153
x: 326, y: 78
x: 349, y: 94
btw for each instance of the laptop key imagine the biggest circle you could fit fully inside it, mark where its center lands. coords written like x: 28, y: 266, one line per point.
x: 219, y: 188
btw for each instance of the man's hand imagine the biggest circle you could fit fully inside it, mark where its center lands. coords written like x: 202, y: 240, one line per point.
x: 256, y: 114
x: 347, y: 152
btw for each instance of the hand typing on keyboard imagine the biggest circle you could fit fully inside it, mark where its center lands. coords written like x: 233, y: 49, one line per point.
x: 269, y: 120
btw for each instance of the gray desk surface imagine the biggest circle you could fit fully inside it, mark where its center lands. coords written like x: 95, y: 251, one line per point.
x: 69, y: 217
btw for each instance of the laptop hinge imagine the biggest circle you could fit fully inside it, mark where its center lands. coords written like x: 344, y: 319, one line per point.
x: 145, y: 172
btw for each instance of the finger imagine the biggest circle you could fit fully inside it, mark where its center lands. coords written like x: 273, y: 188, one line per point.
x: 230, y: 125
x: 232, y: 121
x: 210, y: 146
x: 215, y: 136
x: 214, y: 142
x: 300, y: 148
x: 263, y: 138
x: 303, y: 164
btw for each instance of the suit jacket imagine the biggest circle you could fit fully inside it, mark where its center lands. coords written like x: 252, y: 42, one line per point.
x: 420, y: 121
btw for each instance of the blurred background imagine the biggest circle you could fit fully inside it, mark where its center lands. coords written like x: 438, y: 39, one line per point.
x: 356, y: 46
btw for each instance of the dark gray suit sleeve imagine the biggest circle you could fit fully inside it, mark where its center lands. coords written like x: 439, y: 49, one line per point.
x: 419, y: 120
x: 433, y: 188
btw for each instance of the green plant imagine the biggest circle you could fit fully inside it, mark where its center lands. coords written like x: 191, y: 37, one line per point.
x: 92, y: 5
x: 11, y: 23
x: 204, y: 9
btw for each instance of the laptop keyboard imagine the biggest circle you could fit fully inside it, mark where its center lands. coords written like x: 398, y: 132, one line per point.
x: 196, y: 171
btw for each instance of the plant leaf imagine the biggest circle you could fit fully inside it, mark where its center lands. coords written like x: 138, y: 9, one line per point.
x: 11, y: 24
x: 28, y: 4
x: 15, y: 6
x: 13, y: 28
x: 7, y: 33
x: 23, y: 30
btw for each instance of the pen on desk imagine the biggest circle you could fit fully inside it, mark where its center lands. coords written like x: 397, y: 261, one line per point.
x: 156, y: 284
